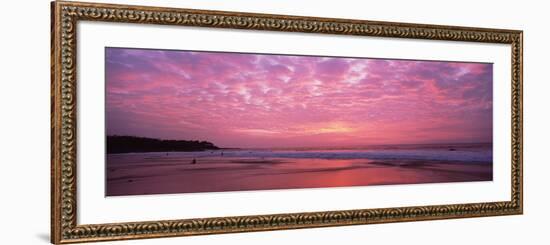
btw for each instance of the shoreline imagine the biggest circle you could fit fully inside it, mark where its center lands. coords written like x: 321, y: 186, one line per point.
x: 137, y: 175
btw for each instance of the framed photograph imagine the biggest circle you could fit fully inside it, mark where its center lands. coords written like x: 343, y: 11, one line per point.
x: 175, y: 122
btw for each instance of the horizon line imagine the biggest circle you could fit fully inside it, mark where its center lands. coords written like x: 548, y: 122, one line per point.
x: 311, y: 147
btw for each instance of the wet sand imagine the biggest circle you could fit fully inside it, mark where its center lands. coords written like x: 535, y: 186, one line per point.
x: 139, y: 174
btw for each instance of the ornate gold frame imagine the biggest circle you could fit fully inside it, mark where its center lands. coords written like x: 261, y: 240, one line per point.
x: 65, y: 15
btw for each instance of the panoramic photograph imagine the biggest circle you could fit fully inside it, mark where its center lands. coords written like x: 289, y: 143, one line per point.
x: 181, y: 121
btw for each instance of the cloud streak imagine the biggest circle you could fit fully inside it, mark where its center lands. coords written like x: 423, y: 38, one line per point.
x: 257, y: 100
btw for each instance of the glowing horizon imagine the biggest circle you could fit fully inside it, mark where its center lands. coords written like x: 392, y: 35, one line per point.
x: 263, y: 100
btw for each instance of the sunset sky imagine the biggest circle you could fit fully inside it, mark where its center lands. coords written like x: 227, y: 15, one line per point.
x: 261, y: 100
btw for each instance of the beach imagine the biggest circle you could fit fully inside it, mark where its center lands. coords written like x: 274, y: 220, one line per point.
x: 267, y: 169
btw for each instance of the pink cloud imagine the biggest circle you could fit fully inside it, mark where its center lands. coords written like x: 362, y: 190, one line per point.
x: 253, y: 100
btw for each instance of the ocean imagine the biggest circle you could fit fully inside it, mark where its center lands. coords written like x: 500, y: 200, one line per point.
x: 267, y: 169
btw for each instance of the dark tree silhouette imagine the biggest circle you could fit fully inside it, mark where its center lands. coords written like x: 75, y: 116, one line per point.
x: 127, y: 144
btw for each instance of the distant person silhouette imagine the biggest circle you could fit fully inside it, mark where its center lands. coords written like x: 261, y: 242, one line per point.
x: 194, y: 161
